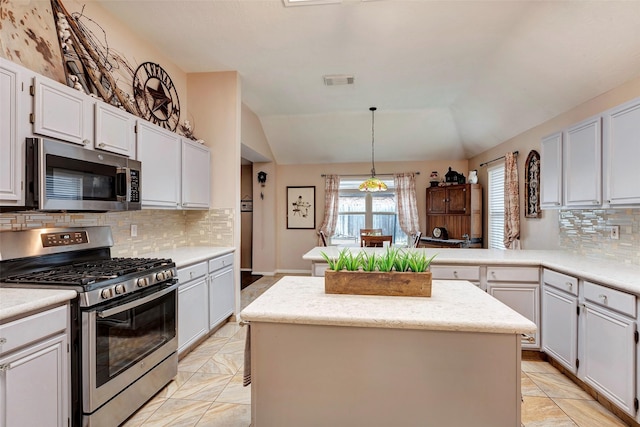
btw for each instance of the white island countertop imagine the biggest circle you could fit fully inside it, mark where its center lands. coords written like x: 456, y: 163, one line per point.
x: 606, y: 271
x: 453, y: 306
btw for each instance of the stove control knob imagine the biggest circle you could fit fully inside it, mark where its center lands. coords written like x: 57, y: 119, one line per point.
x: 168, y: 274
x: 106, y: 293
x: 142, y: 282
x: 120, y: 289
x: 160, y: 276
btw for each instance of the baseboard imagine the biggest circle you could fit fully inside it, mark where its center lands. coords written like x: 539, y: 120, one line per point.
x: 299, y: 272
x: 264, y: 273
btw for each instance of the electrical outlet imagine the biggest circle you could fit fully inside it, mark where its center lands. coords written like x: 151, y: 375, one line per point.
x: 134, y: 230
x: 615, y: 232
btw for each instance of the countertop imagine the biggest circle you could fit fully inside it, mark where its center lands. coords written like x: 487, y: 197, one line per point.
x: 454, y: 305
x: 15, y: 302
x: 19, y: 301
x: 188, y: 255
x: 610, y: 273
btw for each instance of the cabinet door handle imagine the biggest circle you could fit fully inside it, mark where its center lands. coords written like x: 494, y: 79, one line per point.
x: 603, y: 297
x: 528, y: 338
x: 4, y: 367
x: 570, y: 285
x: 85, y: 141
x: 102, y: 145
x: 3, y: 341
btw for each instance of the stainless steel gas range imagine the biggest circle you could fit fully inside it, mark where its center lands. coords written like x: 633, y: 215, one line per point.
x: 123, y: 323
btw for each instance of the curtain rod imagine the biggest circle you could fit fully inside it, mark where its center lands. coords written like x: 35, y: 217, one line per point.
x: 515, y: 153
x: 364, y: 174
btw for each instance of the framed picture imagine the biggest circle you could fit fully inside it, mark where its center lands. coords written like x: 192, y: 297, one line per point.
x: 301, y: 207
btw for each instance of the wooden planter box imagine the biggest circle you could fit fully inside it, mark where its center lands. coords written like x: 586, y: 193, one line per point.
x: 406, y: 284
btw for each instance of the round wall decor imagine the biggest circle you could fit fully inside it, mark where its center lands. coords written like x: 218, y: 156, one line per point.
x: 156, y: 96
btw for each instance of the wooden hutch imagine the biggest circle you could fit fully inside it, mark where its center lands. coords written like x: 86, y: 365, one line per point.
x: 457, y: 208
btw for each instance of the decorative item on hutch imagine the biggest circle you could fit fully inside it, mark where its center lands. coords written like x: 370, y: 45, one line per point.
x: 434, y: 179
x: 473, y: 177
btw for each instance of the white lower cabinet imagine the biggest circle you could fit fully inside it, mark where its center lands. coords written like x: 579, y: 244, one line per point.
x: 608, y: 344
x: 34, y: 370
x: 560, y: 318
x: 221, y: 289
x: 193, y: 322
x: 519, y: 288
x: 206, y: 298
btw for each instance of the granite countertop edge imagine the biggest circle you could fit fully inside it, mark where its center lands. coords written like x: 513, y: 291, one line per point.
x: 187, y: 255
x: 16, y: 302
x: 608, y: 272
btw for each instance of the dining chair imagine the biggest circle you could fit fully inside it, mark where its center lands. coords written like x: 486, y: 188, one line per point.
x: 375, y: 241
x: 370, y: 232
x: 323, y: 237
x: 415, y: 239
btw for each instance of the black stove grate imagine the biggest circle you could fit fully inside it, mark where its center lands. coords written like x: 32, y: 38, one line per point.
x: 89, y: 272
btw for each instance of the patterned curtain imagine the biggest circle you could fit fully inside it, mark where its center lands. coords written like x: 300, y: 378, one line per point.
x: 331, y: 198
x: 511, y: 203
x: 405, y: 184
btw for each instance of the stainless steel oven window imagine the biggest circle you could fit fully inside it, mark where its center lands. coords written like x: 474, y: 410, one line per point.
x: 123, y: 341
x: 126, y: 337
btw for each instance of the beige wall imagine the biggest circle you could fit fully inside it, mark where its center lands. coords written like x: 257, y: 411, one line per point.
x: 253, y: 135
x: 292, y: 244
x: 265, y: 240
x: 133, y: 49
x: 544, y: 233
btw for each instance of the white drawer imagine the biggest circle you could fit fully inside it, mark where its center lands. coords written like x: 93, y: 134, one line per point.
x: 513, y: 274
x: 610, y: 298
x: 186, y: 274
x: 220, y: 262
x: 455, y: 272
x: 33, y: 328
x: 560, y: 281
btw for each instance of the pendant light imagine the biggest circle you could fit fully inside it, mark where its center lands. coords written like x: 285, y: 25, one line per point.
x: 373, y: 184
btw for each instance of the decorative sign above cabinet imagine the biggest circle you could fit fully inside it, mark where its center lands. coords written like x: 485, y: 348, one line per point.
x: 156, y: 96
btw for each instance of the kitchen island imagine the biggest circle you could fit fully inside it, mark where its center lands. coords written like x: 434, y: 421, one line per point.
x: 322, y: 359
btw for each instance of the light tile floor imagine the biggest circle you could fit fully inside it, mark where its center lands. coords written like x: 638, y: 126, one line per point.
x: 208, y: 390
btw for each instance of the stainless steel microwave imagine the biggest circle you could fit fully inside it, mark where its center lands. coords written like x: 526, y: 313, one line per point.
x: 64, y: 177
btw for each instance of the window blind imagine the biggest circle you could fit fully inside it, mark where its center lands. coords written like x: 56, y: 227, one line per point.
x: 496, y: 207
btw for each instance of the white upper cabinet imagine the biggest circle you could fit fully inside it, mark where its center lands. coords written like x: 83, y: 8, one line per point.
x: 583, y: 164
x: 159, y: 151
x: 114, y: 130
x: 62, y: 112
x: 621, y: 130
x: 196, y: 181
x: 14, y: 126
x: 551, y: 171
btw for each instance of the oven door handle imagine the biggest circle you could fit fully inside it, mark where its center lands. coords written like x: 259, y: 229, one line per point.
x: 124, y: 307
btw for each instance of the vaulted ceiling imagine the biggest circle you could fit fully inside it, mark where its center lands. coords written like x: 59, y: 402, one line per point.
x: 450, y: 79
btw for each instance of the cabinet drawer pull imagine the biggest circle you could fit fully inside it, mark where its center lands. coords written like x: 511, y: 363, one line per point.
x: 528, y: 338
x: 603, y: 297
x: 455, y: 274
x: 3, y: 341
x: 570, y: 285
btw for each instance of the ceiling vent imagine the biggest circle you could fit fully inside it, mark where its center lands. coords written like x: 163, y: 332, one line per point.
x: 338, y: 79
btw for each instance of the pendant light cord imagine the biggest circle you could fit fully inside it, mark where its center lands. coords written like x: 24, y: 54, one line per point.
x: 373, y: 165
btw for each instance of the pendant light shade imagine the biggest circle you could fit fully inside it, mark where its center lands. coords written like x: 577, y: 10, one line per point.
x: 373, y: 184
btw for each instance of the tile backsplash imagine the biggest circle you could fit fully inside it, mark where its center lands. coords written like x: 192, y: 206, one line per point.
x: 157, y: 229
x: 587, y: 232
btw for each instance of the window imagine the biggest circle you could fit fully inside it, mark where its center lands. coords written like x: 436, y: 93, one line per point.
x: 358, y: 209
x: 496, y: 207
